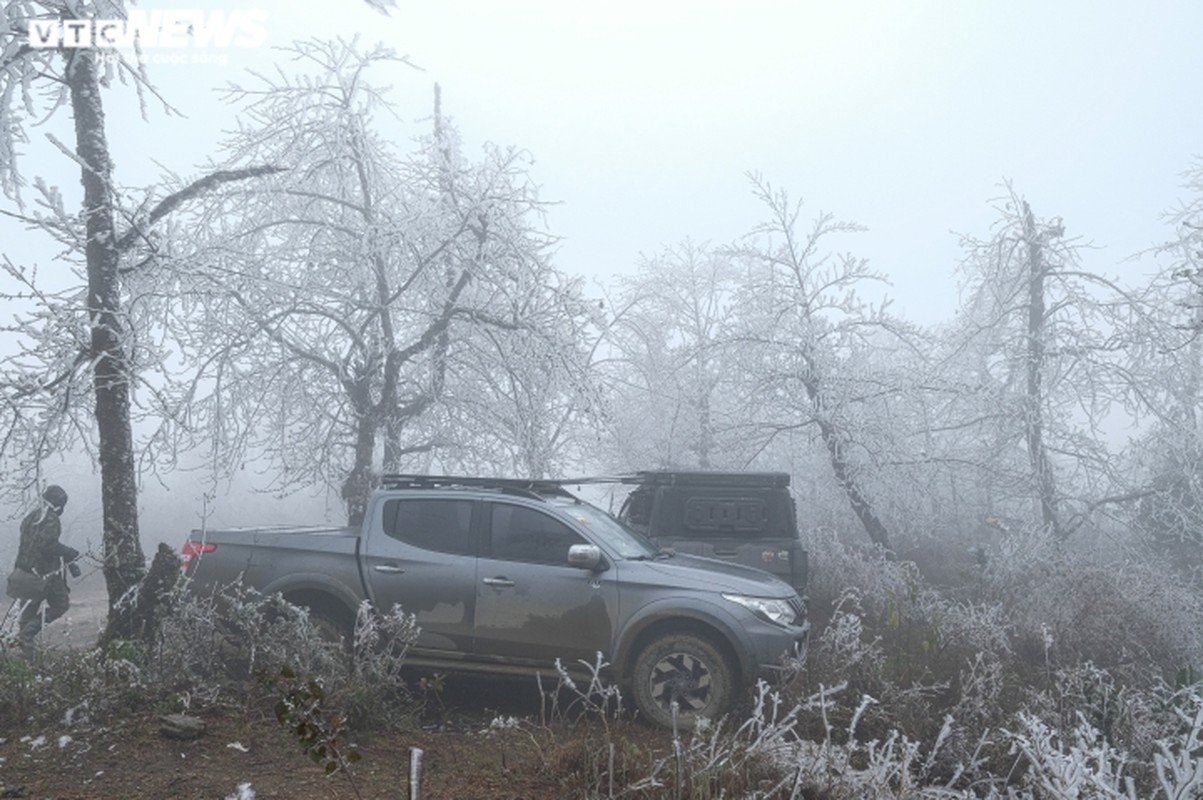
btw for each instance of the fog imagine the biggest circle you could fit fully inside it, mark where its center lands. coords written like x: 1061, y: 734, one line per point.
x: 643, y: 122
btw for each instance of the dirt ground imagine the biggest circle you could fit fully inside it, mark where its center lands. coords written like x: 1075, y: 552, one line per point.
x: 463, y: 755
x: 485, y: 741
x: 130, y: 759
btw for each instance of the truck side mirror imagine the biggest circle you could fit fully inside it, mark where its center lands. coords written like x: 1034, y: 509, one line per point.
x: 585, y: 556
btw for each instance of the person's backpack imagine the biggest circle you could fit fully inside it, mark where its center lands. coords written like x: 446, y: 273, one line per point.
x: 24, y: 585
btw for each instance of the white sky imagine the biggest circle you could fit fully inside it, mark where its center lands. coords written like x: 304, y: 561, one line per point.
x: 643, y: 118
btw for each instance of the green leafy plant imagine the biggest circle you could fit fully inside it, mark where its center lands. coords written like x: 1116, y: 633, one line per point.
x: 432, y: 686
x: 18, y: 695
x: 301, y: 708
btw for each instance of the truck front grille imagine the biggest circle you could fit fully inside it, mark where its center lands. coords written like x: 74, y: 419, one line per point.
x: 798, y: 605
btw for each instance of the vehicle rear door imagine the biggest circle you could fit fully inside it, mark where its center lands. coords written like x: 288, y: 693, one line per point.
x: 531, y: 606
x: 419, y: 555
x: 755, y: 528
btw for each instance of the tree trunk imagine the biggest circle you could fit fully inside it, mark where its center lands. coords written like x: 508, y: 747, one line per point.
x: 833, y: 439
x: 142, y: 615
x: 1042, y: 468
x: 124, y: 562
x: 357, y: 488
x: 704, y: 387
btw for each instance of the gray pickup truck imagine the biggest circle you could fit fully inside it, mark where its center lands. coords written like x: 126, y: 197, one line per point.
x: 506, y: 576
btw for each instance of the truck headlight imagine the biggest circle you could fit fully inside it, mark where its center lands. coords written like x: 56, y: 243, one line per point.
x: 769, y: 609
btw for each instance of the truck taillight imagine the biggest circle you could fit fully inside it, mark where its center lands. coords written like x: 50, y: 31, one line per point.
x: 193, y: 549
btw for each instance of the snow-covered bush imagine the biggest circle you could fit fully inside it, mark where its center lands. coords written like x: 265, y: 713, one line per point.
x: 1121, y: 615
x: 215, y: 642
x: 221, y: 639
x: 74, y: 688
x: 1046, y: 665
x: 372, y: 689
x: 1083, y: 762
x: 887, y: 634
x: 568, y: 701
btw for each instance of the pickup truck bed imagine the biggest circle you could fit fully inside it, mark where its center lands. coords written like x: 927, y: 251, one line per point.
x: 300, y: 561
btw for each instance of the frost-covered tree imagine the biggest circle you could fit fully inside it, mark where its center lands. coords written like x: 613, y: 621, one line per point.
x: 34, y: 82
x: 1046, y: 352
x: 802, y: 329
x: 77, y: 345
x: 674, y: 372
x: 333, y: 308
x: 1170, y: 454
x: 530, y: 396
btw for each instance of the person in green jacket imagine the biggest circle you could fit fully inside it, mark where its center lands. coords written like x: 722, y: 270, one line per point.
x: 41, y: 553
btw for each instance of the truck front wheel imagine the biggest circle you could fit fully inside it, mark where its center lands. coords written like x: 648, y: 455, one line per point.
x: 686, y: 669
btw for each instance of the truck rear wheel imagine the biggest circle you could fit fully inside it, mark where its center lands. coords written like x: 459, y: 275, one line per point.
x: 332, y: 627
x: 686, y: 669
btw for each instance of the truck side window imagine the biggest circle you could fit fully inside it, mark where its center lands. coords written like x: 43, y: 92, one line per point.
x: 441, y: 525
x: 523, y: 534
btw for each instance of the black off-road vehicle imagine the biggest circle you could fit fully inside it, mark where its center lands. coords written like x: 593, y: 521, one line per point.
x: 742, y: 517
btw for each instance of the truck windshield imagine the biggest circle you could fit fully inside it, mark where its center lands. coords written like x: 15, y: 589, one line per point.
x: 621, y: 539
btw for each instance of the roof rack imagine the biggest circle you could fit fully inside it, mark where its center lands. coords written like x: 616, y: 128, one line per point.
x: 540, y: 487
x: 525, y: 486
x: 668, y: 477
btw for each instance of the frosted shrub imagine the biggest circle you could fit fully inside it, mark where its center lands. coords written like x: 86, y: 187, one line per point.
x: 1118, y: 616
x: 372, y: 688
x: 569, y: 701
x: 189, y: 646
x: 212, y: 644
x: 270, y: 631
x: 924, y: 630
x: 1043, y: 679
x: 95, y: 684
x: 890, y: 636
x: 1179, y: 764
x: 751, y: 749
x: 1161, y: 760
x: 843, y: 651
x: 844, y: 764
x: 1084, y: 692
x: 1037, y: 759
x: 234, y: 632
x: 381, y: 642
x: 722, y: 759
x: 837, y: 566
x: 1080, y: 765
x: 978, y: 705
x: 968, y: 627
x: 74, y: 688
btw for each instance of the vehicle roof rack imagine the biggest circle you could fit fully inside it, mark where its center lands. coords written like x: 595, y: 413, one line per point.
x: 669, y: 477
x: 525, y: 486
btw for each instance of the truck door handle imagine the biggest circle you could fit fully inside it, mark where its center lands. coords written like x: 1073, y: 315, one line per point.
x: 502, y: 582
x: 391, y: 569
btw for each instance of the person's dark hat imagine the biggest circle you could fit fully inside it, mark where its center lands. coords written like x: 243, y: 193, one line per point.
x: 55, y: 496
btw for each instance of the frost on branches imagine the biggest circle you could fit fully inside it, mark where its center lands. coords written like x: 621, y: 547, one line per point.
x: 366, y: 308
